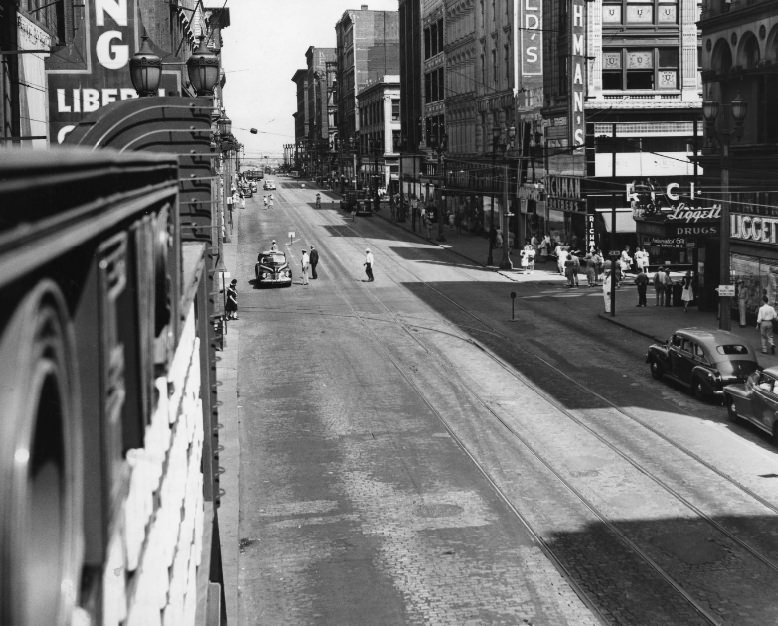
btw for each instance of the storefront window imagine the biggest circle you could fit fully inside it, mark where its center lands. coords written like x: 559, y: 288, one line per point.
x: 755, y: 275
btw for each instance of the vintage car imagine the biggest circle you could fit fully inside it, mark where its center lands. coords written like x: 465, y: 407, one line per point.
x: 245, y: 191
x: 269, y: 185
x: 756, y: 401
x: 703, y: 360
x: 253, y: 186
x: 359, y: 199
x: 272, y: 269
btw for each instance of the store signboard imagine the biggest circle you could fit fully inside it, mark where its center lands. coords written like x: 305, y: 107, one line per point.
x: 531, y: 38
x: 578, y: 68
x: 563, y: 193
x: 754, y: 228
x: 94, y: 69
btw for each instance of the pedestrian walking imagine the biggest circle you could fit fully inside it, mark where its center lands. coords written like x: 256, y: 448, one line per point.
x: 576, y: 267
x: 274, y: 246
x: 607, y: 281
x: 264, y: 200
x: 231, y: 305
x: 242, y: 202
x: 687, y: 294
x: 545, y: 248
x: 369, y: 262
x: 764, y: 322
x: 669, y: 284
x: 304, y: 262
x: 742, y: 301
x: 568, y: 263
x: 427, y: 225
x: 641, y: 280
x: 660, y: 278
x: 527, y: 258
x: 314, y: 260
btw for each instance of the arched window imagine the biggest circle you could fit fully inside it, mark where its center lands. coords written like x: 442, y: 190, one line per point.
x: 721, y: 59
x: 748, y: 51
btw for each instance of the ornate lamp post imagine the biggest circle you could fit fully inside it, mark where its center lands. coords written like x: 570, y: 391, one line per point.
x: 496, y: 132
x: 723, y: 136
x: 506, y: 263
x: 145, y: 69
x: 203, y: 69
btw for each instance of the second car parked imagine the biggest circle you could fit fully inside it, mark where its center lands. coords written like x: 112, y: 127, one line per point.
x: 703, y: 360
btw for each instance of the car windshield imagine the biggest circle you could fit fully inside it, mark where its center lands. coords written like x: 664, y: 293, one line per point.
x: 273, y: 259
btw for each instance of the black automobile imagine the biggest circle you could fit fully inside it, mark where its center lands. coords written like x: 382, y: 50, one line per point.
x: 245, y: 191
x: 272, y: 269
x: 703, y: 360
x: 756, y: 401
x: 359, y: 200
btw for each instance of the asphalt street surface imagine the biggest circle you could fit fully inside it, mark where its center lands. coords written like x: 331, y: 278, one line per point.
x: 424, y: 449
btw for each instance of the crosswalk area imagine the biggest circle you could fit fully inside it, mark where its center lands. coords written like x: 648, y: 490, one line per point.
x: 581, y: 291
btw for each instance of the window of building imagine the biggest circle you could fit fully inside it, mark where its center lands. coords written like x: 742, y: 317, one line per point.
x: 641, y: 69
x: 640, y: 12
x: 494, y: 65
x: 441, y: 32
x: 395, y: 141
x: 507, y: 61
x: 483, y: 70
x: 395, y: 109
x: 427, y: 44
x: 433, y: 40
x: 494, y: 12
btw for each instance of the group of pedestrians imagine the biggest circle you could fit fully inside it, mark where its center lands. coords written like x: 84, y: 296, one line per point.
x: 309, y: 260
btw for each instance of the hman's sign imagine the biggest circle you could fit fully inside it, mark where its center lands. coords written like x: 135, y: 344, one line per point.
x: 578, y: 72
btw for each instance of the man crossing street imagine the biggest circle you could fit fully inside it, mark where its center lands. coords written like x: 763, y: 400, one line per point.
x: 313, y: 259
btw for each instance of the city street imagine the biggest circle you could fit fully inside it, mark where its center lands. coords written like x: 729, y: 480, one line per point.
x: 417, y: 450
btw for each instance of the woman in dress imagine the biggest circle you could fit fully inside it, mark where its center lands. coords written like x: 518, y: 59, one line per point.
x: 687, y: 294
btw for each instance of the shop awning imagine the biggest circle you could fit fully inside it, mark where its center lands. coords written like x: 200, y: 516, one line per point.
x: 625, y: 223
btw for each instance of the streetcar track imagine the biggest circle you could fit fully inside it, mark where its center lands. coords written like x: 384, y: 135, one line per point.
x: 486, y: 327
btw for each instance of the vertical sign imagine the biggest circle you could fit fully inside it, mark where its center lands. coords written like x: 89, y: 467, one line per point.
x: 577, y: 70
x: 531, y: 39
x: 591, y: 242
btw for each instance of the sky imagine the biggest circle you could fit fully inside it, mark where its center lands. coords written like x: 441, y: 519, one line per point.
x: 264, y: 46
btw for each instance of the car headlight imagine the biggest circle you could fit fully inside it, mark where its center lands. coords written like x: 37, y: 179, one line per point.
x: 264, y: 274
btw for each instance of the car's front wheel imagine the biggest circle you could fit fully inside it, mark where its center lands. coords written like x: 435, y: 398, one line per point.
x: 731, y: 409
x: 657, y: 371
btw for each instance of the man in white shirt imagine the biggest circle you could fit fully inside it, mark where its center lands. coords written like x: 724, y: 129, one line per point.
x: 369, y: 261
x: 764, y: 322
x: 304, y: 262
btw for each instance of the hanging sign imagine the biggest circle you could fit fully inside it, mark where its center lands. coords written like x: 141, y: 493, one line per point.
x: 577, y: 74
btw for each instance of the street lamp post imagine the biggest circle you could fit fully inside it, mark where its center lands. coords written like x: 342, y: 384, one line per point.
x: 510, y: 136
x: 738, y: 109
x: 495, y: 142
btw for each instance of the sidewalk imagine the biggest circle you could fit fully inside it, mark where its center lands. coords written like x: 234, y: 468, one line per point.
x: 654, y: 323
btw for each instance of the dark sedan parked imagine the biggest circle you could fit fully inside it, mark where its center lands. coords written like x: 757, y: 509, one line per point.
x: 756, y: 401
x: 703, y: 360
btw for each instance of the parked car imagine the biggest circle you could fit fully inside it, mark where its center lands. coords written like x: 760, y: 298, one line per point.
x: 272, y: 269
x: 253, y: 186
x: 703, y: 360
x: 756, y: 401
x: 269, y: 185
x: 358, y: 199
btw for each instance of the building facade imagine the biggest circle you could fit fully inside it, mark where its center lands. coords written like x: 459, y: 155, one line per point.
x: 739, y: 157
x: 302, y: 122
x: 621, y: 117
x: 368, y: 48
x: 379, y: 136
x: 321, y: 75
